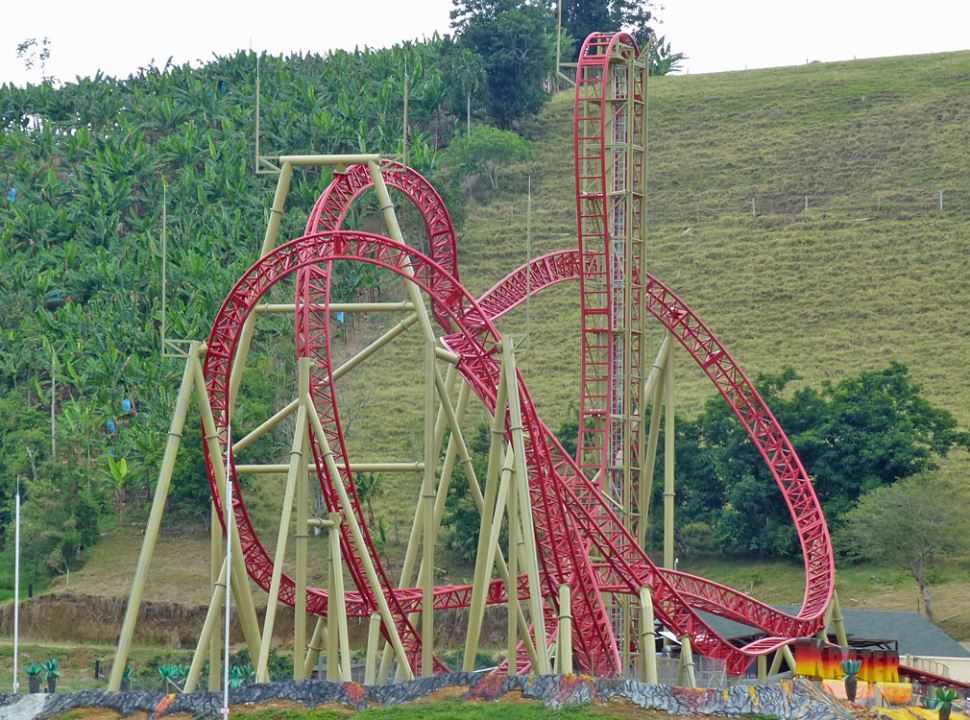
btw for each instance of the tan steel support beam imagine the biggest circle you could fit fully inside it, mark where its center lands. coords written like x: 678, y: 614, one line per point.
x: 789, y: 657
x: 269, y: 242
x: 318, y: 641
x: 653, y: 389
x: 287, y: 308
x: 762, y: 669
x: 838, y: 621
x: 648, y: 638
x: 496, y: 491
x: 209, y: 627
x: 239, y: 579
x: 524, y: 506
x: 564, y: 636
x: 216, y: 561
x: 776, y: 663
x: 511, y: 584
x: 411, y: 551
x: 686, y: 670
x: 317, y: 160
x: 297, y: 471
x: 155, y: 516
x: 358, y: 540
x: 373, y: 647
x: 265, y: 427
x: 380, y: 342
x: 302, y: 535
x: 427, y: 516
x: 338, y: 638
x: 669, y: 444
x: 278, y: 468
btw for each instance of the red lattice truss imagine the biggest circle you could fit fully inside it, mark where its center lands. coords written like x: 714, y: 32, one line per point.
x: 571, y: 516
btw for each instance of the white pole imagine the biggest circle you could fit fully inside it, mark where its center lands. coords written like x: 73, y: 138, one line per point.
x: 53, y: 417
x: 16, y: 592
x: 229, y: 518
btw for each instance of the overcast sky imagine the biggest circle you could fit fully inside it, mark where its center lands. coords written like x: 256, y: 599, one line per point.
x: 119, y: 37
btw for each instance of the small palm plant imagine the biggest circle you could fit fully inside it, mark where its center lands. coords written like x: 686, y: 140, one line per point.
x: 945, y: 697
x: 239, y: 675
x: 851, y: 669
x: 172, y: 676
x: 33, y: 677
x: 52, y: 673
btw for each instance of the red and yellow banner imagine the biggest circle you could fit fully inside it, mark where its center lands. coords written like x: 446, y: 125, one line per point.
x: 813, y: 658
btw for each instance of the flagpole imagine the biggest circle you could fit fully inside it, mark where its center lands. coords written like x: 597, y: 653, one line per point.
x: 229, y: 538
x: 16, y: 592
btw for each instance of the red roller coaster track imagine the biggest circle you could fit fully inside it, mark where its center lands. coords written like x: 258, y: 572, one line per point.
x: 571, y: 516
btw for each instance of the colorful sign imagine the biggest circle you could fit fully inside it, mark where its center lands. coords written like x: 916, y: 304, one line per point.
x: 813, y: 658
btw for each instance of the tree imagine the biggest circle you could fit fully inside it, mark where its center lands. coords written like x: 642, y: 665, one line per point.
x: 912, y: 523
x: 487, y: 151
x: 862, y: 433
x: 662, y: 60
x: 515, y: 41
x: 582, y: 17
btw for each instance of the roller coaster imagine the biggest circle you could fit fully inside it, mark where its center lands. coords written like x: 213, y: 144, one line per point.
x: 577, y: 524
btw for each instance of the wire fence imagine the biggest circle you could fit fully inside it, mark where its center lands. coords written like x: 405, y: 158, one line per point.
x: 665, y: 207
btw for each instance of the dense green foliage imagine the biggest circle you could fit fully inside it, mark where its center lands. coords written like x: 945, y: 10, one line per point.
x: 86, y: 169
x: 516, y: 42
x: 861, y: 433
x: 582, y: 17
x: 911, y: 524
x: 484, y: 151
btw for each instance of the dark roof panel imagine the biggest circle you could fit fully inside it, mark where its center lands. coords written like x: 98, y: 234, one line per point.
x: 916, y: 634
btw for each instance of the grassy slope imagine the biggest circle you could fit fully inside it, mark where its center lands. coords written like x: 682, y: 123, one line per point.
x: 823, y: 291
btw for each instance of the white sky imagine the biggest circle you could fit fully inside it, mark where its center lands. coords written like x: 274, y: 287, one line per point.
x: 118, y: 37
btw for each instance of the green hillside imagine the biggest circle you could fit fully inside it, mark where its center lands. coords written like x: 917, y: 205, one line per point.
x: 872, y: 271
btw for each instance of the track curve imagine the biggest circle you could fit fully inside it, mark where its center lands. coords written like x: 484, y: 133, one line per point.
x: 570, y: 513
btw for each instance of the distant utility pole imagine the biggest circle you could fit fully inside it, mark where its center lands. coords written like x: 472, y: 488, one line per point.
x: 16, y: 591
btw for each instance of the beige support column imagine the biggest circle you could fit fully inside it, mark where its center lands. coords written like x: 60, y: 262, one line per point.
x: 302, y: 535
x: 669, y: 444
x: 789, y: 658
x: 269, y: 242
x: 427, y: 517
x: 271, y: 423
x: 511, y: 585
x: 205, y: 636
x: 838, y: 621
x: 155, y: 517
x: 358, y: 540
x: 762, y: 669
x: 333, y: 631
x: 339, y: 598
x: 564, y: 638
x: 650, y: 461
x: 239, y: 579
x: 373, y: 644
x: 216, y: 560
x: 652, y: 389
x: 524, y: 506
x: 318, y: 641
x: 686, y: 671
x: 648, y: 638
x: 776, y: 663
x: 297, y: 468
x: 492, y: 510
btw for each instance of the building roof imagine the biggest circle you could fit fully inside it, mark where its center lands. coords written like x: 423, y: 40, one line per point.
x: 916, y: 634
